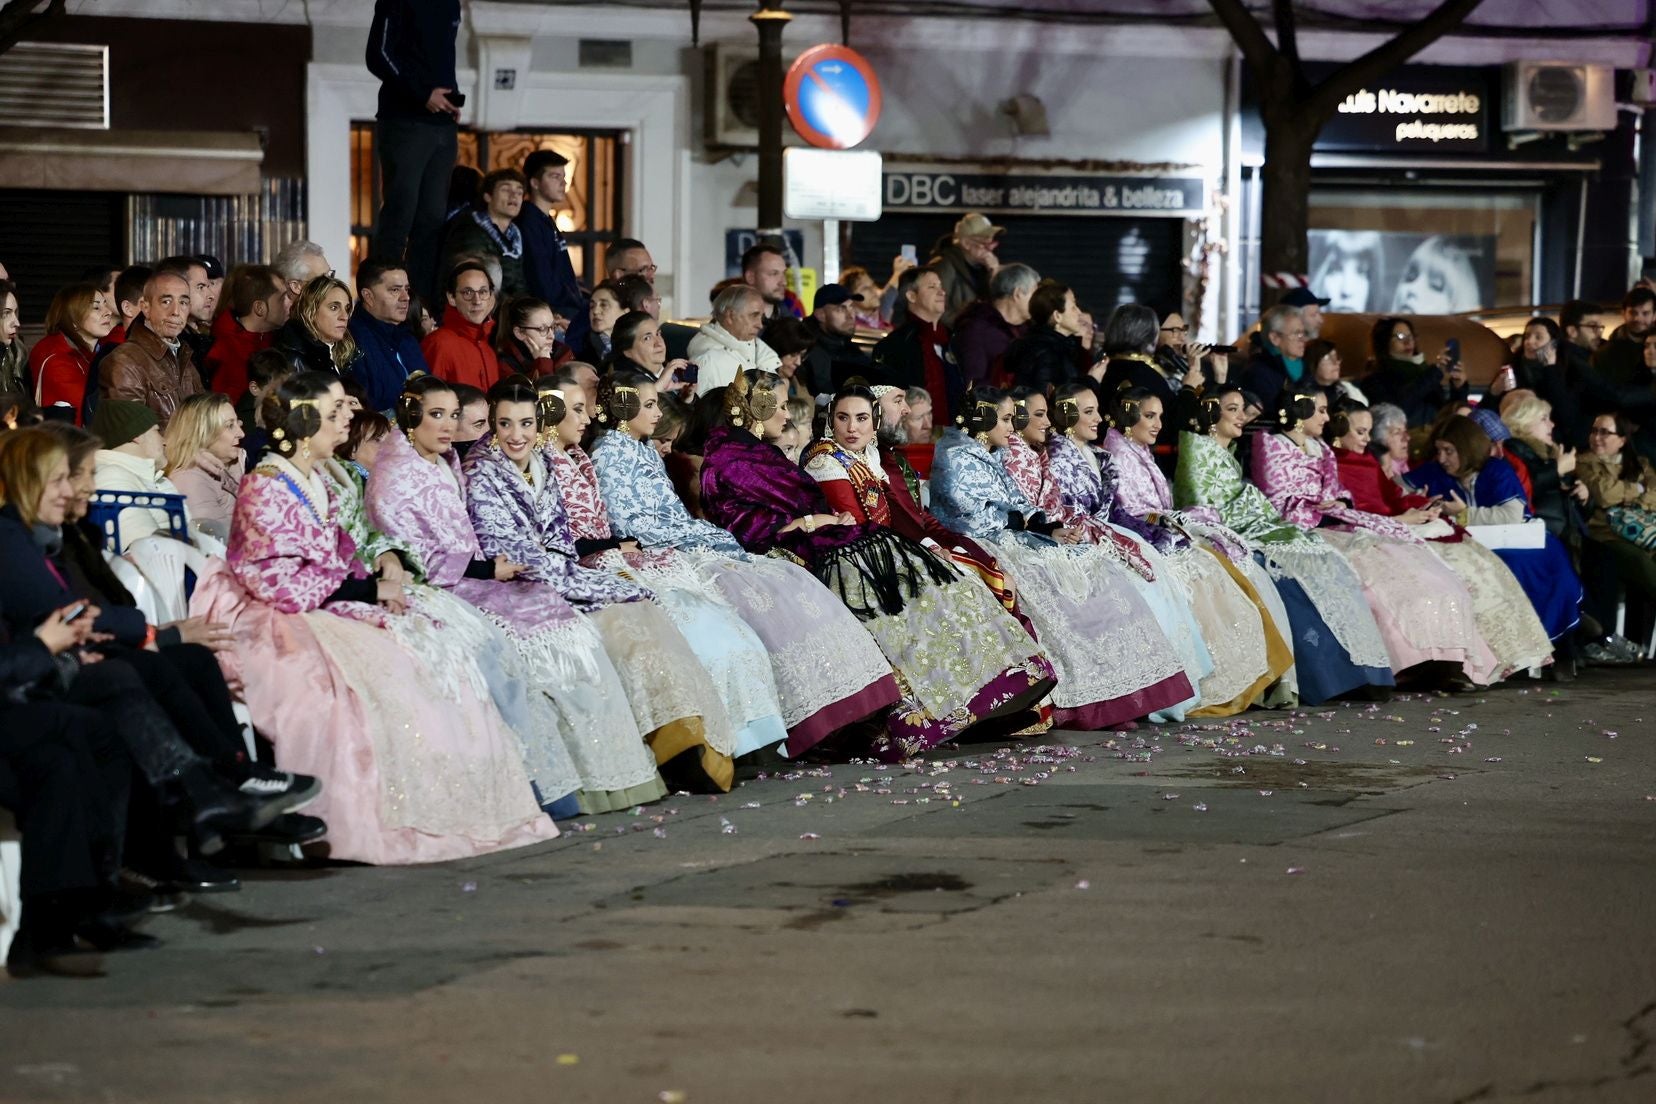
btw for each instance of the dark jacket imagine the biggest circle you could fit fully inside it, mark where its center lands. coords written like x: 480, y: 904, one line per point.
x: 1264, y: 377
x: 900, y: 361
x: 30, y: 589
x: 981, y: 337
x: 1620, y: 360
x: 1549, y: 491
x: 963, y: 281
x: 389, y: 354
x: 1180, y: 404
x: 1043, y: 357
x: 832, y: 361
x: 1421, y: 390
x: 305, y: 352
x: 548, y: 273
x: 465, y: 237
x: 411, y: 51
x: 1578, y: 394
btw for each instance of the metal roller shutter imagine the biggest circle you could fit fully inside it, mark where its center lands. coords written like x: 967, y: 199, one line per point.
x: 47, y: 239
x: 1107, y: 260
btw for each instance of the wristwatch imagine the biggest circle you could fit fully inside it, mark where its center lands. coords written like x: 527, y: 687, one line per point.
x: 809, y: 523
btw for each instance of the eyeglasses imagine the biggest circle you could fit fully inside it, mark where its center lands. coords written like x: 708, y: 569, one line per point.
x: 540, y: 329
x: 1175, y: 329
x: 646, y: 270
x: 474, y: 294
x: 1402, y: 335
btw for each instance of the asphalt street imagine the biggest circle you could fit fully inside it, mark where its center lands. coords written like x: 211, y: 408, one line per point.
x: 1437, y: 899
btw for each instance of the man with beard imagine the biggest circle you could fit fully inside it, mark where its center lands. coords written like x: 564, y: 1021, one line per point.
x: 834, y: 358
x: 1620, y: 360
x: 765, y: 270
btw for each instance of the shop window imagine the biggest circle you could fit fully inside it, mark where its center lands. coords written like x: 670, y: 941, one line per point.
x: 590, y: 218
x: 1430, y: 251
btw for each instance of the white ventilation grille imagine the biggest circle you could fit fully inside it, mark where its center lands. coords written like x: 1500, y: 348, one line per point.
x: 55, y: 85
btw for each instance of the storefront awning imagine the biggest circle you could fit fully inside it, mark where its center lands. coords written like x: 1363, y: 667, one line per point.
x: 186, y: 162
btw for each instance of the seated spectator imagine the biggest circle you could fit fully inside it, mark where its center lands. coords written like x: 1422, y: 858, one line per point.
x: 197, y: 332
x: 917, y: 423
x: 636, y: 343
x: 265, y: 372
x: 78, y: 319
x: 524, y: 340
x: 1278, y: 357
x: 317, y: 336
x: 868, y: 297
x: 420, y: 322
x: 1129, y: 338
x: 361, y: 446
x: 1551, y: 469
x: 1049, y: 354
x: 730, y: 343
x: 1389, y: 440
x: 1620, y: 360
x: 605, y: 308
x: 258, y: 308
x: 1400, y: 375
x: 1621, y: 528
x: 834, y: 356
x: 13, y: 357
x: 389, y: 352
x: 987, y: 327
x: 129, y: 300
x: 205, y: 461
x: 916, y: 353
x: 298, y: 263
x: 765, y: 270
x: 792, y: 341
x: 675, y: 414
x: 586, y: 377
x: 490, y: 233
x: 474, y: 418
x: 131, y: 460
x: 459, y: 350
x: 1324, y: 361
x: 152, y: 367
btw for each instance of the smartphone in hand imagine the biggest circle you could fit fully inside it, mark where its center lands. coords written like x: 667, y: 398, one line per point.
x: 910, y: 254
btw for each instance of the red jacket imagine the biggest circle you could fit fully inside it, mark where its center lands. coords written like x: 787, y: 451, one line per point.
x: 59, y: 367
x: 233, y: 347
x: 460, y: 352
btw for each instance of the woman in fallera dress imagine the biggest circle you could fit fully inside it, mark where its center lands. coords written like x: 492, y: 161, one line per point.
x: 1142, y: 490
x: 1423, y: 609
x: 1337, y: 645
x: 419, y: 769
x: 415, y: 497
x: 916, y: 604
x: 1249, y: 654
x: 1113, y: 663
x: 526, y: 504
x: 829, y: 672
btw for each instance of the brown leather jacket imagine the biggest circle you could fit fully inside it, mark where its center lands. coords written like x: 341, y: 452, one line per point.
x: 142, y: 369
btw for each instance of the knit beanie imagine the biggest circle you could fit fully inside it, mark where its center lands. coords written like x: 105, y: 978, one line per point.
x: 119, y: 421
x: 1490, y: 422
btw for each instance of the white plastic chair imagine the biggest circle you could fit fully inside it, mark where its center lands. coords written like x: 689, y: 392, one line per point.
x: 137, y: 586
x: 163, y: 561
x: 11, y: 869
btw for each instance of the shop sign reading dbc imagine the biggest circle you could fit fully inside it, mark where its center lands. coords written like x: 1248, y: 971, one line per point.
x: 1042, y: 193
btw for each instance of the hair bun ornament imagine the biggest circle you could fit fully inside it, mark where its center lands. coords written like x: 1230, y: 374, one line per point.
x: 1066, y: 413
x: 762, y: 404
x: 1020, y: 414
x: 550, y: 409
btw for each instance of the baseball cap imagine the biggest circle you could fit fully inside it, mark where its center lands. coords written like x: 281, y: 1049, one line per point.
x: 831, y: 295
x: 977, y: 225
x: 215, y: 270
x: 1302, y: 297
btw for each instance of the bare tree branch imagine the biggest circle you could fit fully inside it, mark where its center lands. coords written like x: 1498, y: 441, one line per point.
x: 1250, y: 37
x: 1389, y: 55
x: 1288, y: 40
x: 19, y: 17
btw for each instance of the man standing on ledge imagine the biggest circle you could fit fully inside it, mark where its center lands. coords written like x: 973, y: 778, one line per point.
x: 411, y: 51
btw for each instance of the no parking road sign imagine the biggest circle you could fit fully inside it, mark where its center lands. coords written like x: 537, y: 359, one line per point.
x: 832, y: 96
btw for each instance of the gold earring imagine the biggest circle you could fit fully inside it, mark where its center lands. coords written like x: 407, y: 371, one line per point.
x: 304, y: 449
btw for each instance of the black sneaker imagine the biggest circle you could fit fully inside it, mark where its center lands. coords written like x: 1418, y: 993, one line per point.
x: 299, y: 789
x: 164, y: 896
x: 232, y: 813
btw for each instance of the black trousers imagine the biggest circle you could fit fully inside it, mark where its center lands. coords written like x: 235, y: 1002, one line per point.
x: 65, y: 774
x: 415, y: 158
x: 114, y: 689
x: 187, y: 682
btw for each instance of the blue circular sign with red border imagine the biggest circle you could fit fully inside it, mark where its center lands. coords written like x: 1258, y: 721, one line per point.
x: 832, y: 96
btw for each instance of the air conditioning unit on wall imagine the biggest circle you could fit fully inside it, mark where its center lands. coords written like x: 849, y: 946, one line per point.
x: 1559, y: 96
x: 732, y: 104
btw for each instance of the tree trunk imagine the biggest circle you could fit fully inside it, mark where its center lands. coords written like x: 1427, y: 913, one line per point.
x: 1285, y: 203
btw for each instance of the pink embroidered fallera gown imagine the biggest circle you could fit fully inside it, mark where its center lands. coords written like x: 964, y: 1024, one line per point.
x: 1424, y: 611
x: 416, y: 763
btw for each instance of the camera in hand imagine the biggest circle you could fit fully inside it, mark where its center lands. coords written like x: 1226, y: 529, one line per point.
x: 688, y: 374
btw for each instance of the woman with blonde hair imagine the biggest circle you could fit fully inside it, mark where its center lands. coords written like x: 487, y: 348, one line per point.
x: 1551, y: 468
x: 80, y: 316
x: 205, y: 459
x: 316, y: 337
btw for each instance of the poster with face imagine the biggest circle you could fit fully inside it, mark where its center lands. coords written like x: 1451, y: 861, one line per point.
x: 1403, y: 272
